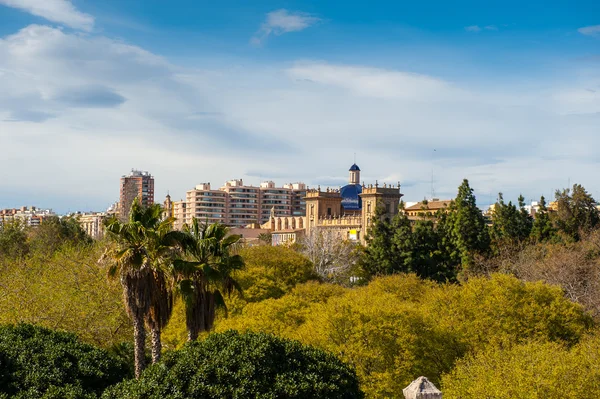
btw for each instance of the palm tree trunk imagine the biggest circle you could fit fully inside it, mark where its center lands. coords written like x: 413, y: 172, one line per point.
x: 139, y: 334
x: 192, y: 335
x: 156, y: 345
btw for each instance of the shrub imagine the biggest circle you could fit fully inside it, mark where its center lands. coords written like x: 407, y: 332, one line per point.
x: 548, y: 370
x: 36, y: 362
x: 250, y: 365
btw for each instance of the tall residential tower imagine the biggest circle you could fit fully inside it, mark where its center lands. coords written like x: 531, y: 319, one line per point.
x: 138, y: 184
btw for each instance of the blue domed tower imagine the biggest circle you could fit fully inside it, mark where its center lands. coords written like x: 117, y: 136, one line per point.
x: 350, y: 193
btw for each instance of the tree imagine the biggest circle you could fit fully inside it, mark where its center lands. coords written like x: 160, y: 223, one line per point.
x: 542, y: 228
x: 54, y: 232
x: 251, y: 365
x: 576, y: 212
x: 386, y: 241
x: 428, y: 258
x: 532, y: 370
x: 208, y: 275
x: 399, y: 246
x: 463, y: 228
x: 13, y: 239
x: 36, y: 362
x: 138, y: 254
x: 511, y: 226
x: 333, y: 257
x: 65, y: 290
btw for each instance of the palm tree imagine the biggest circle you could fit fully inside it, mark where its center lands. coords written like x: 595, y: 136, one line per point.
x: 139, y: 253
x: 207, y: 275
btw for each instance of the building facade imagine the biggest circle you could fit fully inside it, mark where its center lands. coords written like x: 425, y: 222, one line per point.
x: 31, y: 217
x: 236, y: 204
x: 138, y: 184
x: 92, y: 223
x: 348, y: 211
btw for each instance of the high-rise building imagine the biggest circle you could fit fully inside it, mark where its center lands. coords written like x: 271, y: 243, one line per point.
x: 137, y: 184
x: 238, y: 205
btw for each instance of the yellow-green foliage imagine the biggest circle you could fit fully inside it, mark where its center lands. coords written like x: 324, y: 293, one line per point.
x: 270, y: 272
x: 400, y: 327
x: 534, y: 370
x: 66, y: 290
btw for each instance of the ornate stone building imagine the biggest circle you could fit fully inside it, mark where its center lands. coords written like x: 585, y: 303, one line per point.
x: 348, y: 210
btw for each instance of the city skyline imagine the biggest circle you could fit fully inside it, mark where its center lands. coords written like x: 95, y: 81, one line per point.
x: 505, y: 95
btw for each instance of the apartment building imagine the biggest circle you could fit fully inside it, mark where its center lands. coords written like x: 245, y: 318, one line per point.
x: 236, y: 204
x: 138, y: 184
x: 92, y: 223
x: 32, y: 217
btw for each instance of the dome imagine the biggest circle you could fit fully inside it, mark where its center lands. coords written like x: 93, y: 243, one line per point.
x: 354, y: 167
x: 351, y: 200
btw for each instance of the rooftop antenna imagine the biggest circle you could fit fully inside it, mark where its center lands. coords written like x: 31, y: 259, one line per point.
x: 432, y: 162
x: 355, y: 158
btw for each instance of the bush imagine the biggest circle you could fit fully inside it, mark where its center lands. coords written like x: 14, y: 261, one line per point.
x: 399, y: 327
x: 250, y: 365
x: 36, y: 362
x: 548, y: 370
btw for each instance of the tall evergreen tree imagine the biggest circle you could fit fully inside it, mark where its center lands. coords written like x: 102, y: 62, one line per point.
x: 542, y: 229
x: 428, y: 258
x: 510, y: 225
x: 378, y: 257
x: 525, y: 220
x: 576, y: 212
x: 464, y: 229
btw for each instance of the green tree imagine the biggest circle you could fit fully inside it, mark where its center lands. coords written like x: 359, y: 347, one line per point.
x: 428, y: 258
x: 511, y: 226
x: 531, y: 370
x: 525, y: 221
x: 208, y: 275
x: 56, y: 231
x: 64, y: 290
x: 139, y: 253
x: 379, y: 257
x: 576, y: 212
x: 251, y: 365
x: 542, y: 228
x: 463, y: 228
x: 13, y: 239
x: 36, y: 362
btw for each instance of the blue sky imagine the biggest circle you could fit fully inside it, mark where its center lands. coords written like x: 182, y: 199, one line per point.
x: 506, y: 93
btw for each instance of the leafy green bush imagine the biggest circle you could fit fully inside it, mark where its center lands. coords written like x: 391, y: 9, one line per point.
x: 36, y: 362
x: 243, y: 366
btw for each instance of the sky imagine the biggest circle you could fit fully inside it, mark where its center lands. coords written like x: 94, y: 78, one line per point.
x: 503, y: 93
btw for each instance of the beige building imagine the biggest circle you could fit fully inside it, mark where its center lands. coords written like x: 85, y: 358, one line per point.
x: 137, y: 184
x: 92, y: 223
x: 427, y: 209
x: 236, y: 204
x: 32, y: 216
x: 348, y: 211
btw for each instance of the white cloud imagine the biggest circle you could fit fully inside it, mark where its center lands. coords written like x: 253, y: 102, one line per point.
x: 491, y: 27
x: 79, y: 111
x: 283, y: 21
x: 375, y: 82
x: 473, y: 28
x: 59, y: 11
x: 590, y: 30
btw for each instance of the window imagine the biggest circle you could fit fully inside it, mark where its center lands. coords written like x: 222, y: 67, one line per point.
x: 328, y: 211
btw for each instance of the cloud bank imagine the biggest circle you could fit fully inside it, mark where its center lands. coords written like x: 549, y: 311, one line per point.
x: 59, y: 11
x: 78, y: 111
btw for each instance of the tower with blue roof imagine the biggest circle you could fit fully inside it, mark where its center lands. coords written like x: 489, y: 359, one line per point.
x: 350, y: 193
